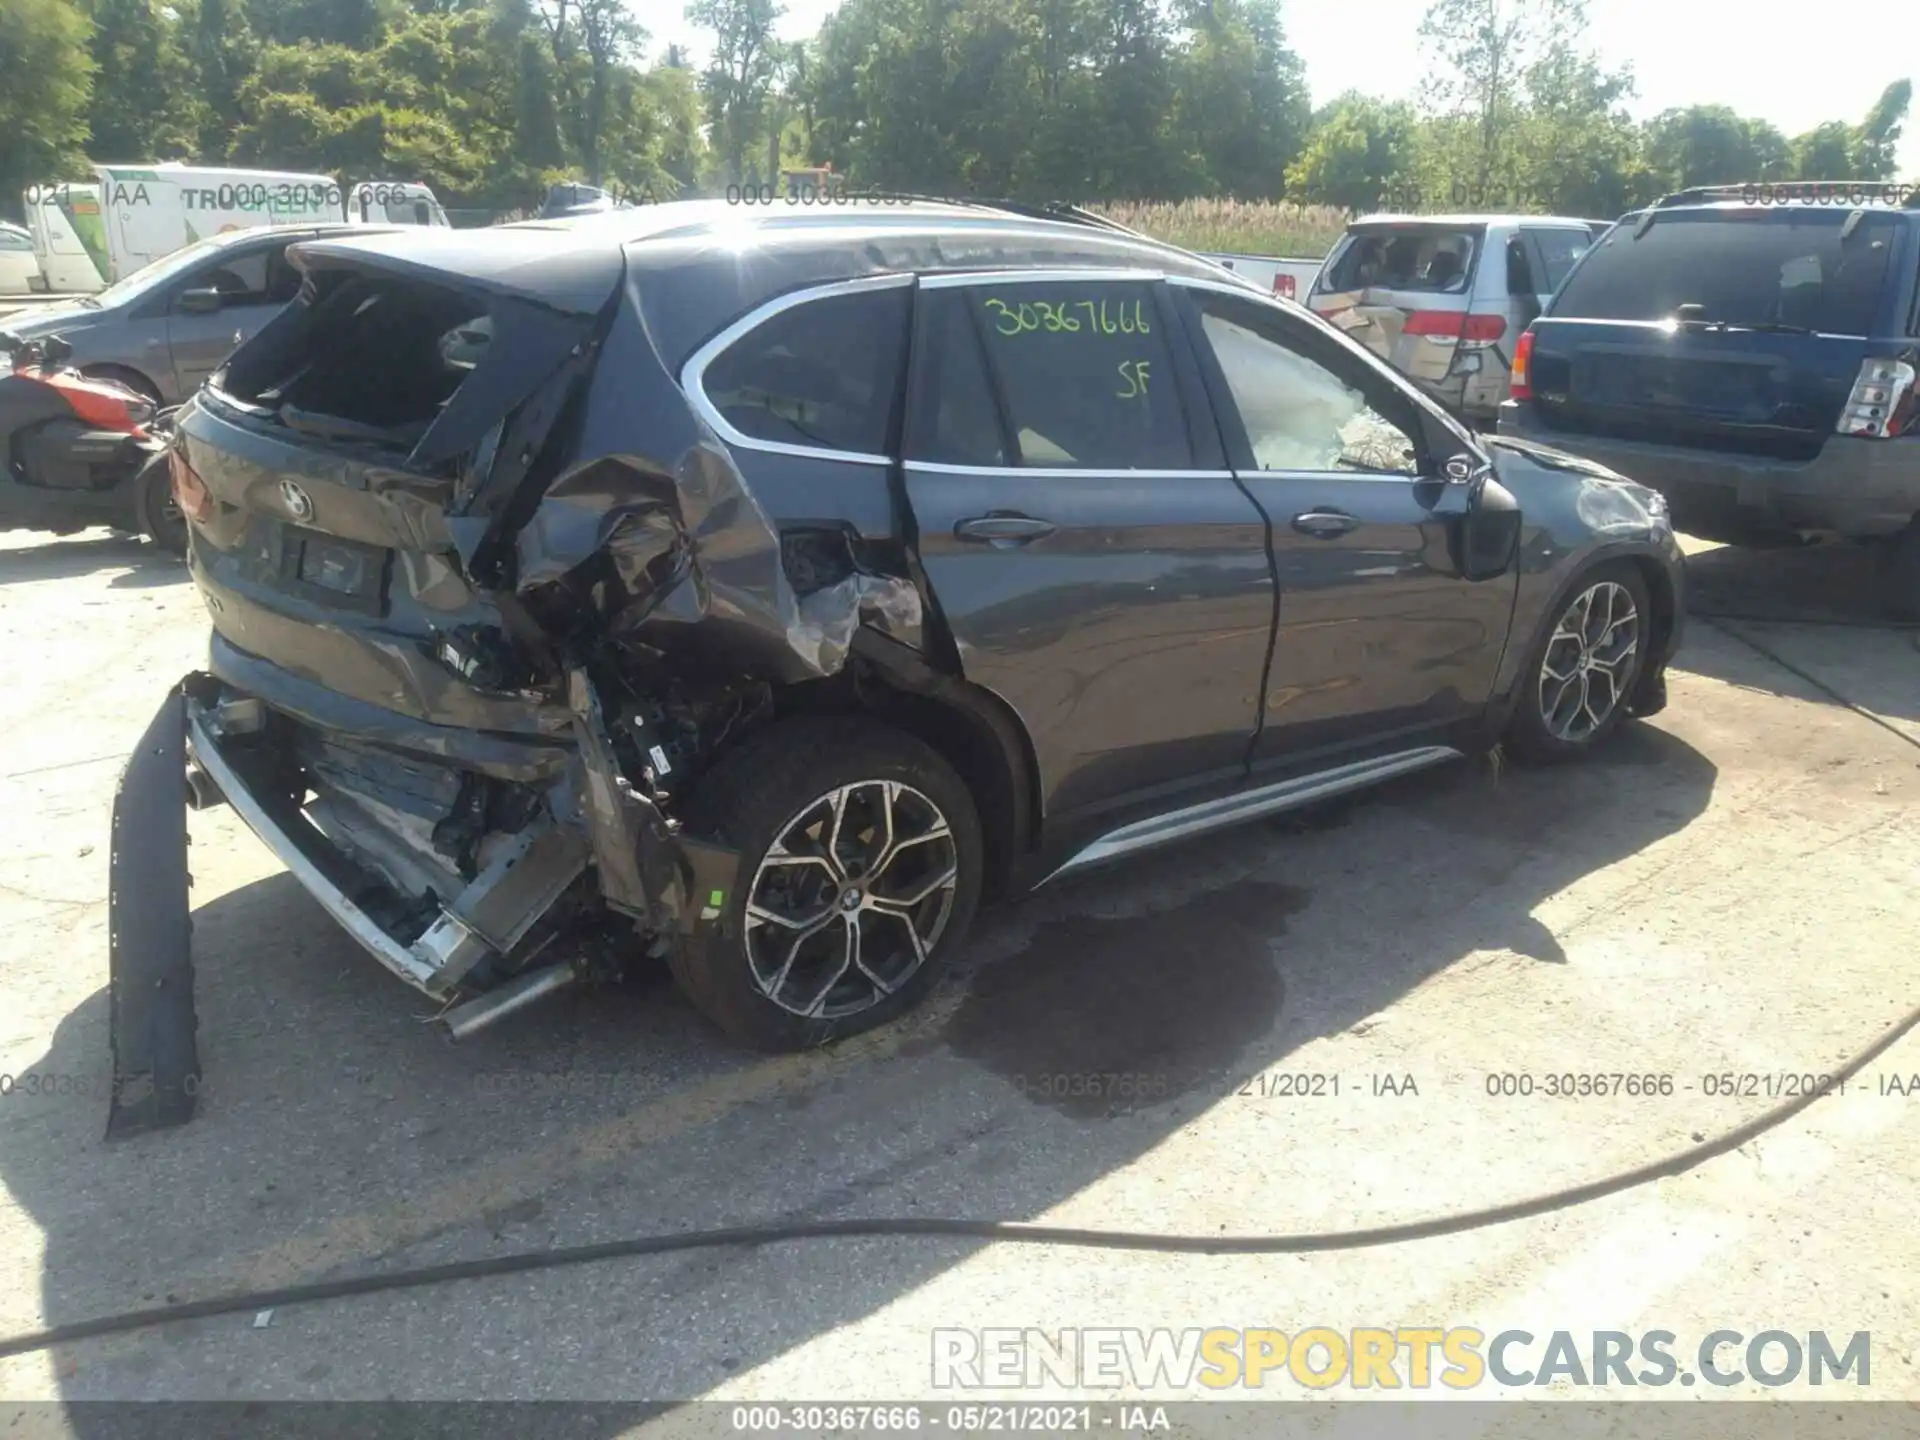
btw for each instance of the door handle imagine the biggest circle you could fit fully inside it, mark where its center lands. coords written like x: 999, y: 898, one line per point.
x: 1325, y: 524
x: 1004, y: 531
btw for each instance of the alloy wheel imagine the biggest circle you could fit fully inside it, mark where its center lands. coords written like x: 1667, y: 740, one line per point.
x: 1589, y: 662
x: 850, y: 899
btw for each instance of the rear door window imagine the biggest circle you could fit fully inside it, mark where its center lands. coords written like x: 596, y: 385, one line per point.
x: 241, y: 278
x: 823, y: 374
x: 1557, y: 250
x: 1749, y: 266
x: 1431, y: 259
x: 1081, y: 371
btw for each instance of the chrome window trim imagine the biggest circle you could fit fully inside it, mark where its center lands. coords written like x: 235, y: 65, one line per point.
x: 693, y: 373
x: 954, y: 279
x: 1056, y: 472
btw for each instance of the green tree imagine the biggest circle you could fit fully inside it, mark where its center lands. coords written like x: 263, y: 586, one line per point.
x: 739, y: 79
x: 590, y: 42
x: 1484, y: 50
x: 1877, y: 141
x: 46, y: 72
x: 1711, y: 145
x: 221, y: 47
x: 143, y: 105
x: 1241, y: 108
x: 1358, y: 148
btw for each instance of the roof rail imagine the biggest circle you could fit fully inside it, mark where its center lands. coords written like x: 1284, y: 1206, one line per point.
x: 1784, y: 192
x: 1033, y: 210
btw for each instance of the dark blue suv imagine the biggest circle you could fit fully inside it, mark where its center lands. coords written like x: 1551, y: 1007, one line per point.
x: 1752, y: 356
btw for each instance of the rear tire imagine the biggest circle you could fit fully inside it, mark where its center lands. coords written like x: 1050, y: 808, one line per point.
x: 153, y: 504
x: 832, y: 928
x: 1581, y: 676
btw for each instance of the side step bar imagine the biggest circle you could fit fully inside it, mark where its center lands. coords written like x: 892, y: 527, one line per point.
x: 1252, y: 804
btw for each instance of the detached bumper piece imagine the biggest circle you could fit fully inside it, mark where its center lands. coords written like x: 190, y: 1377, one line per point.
x: 211, y: 745
x: 156, y: 1060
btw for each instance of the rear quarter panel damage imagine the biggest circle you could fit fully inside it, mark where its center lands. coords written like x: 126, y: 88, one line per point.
x: 665, y: 532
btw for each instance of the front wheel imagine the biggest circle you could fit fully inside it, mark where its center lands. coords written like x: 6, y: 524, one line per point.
x: 1575, y: 690
x: 861, y: 861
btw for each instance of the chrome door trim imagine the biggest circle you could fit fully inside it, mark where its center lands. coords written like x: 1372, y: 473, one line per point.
x: 1036, y: 472
x: 1251, y: 804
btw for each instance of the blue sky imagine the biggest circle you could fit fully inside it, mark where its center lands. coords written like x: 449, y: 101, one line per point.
x: 1783, y: 66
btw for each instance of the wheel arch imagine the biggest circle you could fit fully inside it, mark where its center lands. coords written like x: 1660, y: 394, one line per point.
x: 972, y: 729
x: 1662, y: 598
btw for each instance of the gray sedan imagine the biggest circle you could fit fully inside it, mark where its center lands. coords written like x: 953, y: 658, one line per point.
x: 167, y: 327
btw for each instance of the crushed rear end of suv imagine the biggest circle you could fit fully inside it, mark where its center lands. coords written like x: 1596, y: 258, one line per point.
x: 754, y: 595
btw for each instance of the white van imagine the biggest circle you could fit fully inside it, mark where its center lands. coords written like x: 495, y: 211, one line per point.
x: 69, y: 238
x: 393, y: 202
x: 153, y: 210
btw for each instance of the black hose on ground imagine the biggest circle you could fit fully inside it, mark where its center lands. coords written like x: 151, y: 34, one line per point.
x: 1002, y: 1232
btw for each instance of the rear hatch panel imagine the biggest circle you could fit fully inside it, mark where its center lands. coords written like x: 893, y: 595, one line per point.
x: 1737, y: 391
x: 1781, y: 307
x: 1382, y: 276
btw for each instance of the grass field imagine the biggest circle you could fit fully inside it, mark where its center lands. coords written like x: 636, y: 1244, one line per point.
x: 1246, y: 227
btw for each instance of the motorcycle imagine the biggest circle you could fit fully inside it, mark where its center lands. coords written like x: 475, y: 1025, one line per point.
x: 77, y: 450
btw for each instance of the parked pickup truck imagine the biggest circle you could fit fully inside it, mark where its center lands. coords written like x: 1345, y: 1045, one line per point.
x: 1289, y: 279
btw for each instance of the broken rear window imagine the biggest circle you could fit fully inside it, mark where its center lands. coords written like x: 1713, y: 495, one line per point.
x: 372, y: 358
x: 1431, y: 259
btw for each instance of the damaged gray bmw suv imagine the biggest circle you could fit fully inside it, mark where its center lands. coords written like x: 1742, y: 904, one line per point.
x: 758, y: 591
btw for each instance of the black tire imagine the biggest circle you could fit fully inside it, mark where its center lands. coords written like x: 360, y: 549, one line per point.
x: 1898, y: 581
x: 1534, y: 732
x: 153, y: 506
x: 776, y: 780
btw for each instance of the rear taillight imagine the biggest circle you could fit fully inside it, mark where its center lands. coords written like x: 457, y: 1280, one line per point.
x: 1283, y: 286
x: 1455, y: 325
x: 1883, y: 401
x: 1520, y: 387
x: 190, y: 492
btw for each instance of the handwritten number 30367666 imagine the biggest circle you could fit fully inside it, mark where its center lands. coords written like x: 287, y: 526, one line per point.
x: 1057, y: 316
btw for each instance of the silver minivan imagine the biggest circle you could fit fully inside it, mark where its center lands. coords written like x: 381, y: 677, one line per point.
x: 1443, y: 298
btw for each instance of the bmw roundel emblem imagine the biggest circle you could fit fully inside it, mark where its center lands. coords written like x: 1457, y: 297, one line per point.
x: 297, y: 502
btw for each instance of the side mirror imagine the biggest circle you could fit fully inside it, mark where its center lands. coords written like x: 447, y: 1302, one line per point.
x: 1484, y: 539
x: 197, y: 302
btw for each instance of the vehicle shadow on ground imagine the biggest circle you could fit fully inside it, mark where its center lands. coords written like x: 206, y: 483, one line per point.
x: 64, y: 559
x: 1812, y: 608
x: 1831, y: 583
x: 337, y: 1134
